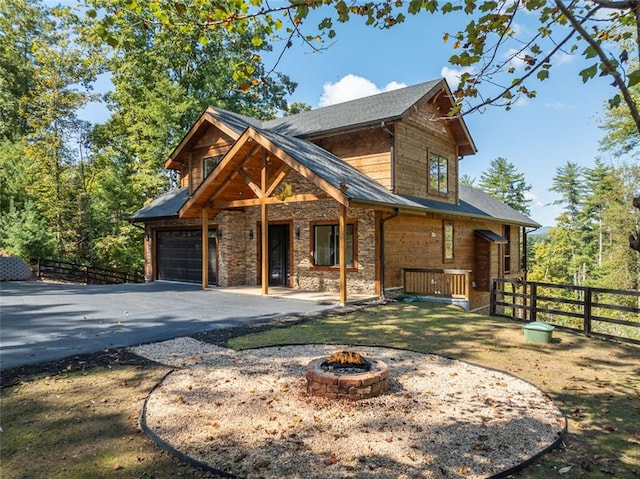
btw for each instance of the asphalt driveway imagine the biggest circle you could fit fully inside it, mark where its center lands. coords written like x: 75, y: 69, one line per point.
x: 45, y: 321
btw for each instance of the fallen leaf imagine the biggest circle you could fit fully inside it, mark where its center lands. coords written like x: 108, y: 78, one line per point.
x: 564, y: 470
x: 332, y: 459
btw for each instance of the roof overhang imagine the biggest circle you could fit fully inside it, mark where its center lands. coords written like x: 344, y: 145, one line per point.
x: 231, y: 178
x: 442, y: 97
x: 206, y: 119
x: 490, y: 236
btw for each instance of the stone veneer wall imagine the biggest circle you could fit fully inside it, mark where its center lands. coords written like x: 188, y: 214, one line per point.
x: 305, y: 276
x: 238, y: 242
x: 233, y: 260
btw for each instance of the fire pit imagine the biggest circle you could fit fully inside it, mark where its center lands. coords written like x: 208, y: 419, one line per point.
x: 347, y: 375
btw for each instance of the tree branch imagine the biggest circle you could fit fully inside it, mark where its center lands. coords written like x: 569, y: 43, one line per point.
x: 611, y: 68
x: 546, y: 59
x: 622, y: 5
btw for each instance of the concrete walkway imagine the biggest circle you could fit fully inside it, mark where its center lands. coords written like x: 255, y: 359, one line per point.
x: 47, y: 321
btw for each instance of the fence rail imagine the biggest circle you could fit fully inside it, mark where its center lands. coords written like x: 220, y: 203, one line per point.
x: 446, y: 283
x: 610, y: 313
x: 82, y: 273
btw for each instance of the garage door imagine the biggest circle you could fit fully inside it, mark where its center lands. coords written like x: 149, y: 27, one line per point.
x: 179, y: 256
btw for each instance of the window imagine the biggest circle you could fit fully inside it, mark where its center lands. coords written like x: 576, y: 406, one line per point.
x: 438, y: 174
x: 209, y: 164
x: 507, y: 248
x: 326, y: 246
x: 447, y: 242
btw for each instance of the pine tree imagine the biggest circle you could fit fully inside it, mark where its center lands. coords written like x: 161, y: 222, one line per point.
x: 504, y: 182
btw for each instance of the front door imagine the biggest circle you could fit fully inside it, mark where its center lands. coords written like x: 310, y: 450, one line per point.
x: 278, y: 240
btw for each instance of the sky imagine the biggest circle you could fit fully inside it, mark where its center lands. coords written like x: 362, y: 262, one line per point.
x: 537, y: 136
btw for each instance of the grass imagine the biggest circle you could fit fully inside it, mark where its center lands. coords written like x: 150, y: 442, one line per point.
x: 84, y: 423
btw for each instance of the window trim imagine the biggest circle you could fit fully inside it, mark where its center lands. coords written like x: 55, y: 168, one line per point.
x: 438, y: 191
x: 446, y: 224
x: 312, y: 251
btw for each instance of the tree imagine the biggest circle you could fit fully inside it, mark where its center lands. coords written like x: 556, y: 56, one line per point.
x: 467, y: 180
x: 504, y: 182
x: 489, y: 48
x: 162, y: 82
x: 498, y: 60
x: 569, y: 183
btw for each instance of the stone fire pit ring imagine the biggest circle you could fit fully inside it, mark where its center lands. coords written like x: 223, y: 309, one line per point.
x: 353, y: 385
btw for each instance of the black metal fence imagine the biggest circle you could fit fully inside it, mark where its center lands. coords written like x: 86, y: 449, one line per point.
x: 610, y: 313
x: 79, y: 273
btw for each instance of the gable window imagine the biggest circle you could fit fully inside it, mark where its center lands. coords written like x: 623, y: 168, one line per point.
x: 447, y: 241
x: 438, y: 174
x: 209, y: 164
x: 326, y: 245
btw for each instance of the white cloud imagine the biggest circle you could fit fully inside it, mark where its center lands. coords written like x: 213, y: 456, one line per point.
x: 453, y: 75
x: 351, y: 87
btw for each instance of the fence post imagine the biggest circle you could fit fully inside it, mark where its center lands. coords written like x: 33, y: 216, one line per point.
x: 534, y: 302
x: 39, y: 273
x: 492, y: 298
x: 587, y: 311
x: 86, y: 275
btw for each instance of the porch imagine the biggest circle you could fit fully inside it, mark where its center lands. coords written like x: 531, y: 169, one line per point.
x: 447, y: 285
x: 317, y: 297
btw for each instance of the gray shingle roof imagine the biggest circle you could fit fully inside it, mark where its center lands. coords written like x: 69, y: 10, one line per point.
x: 475, y: 202
x: 332, y: 169
x: 235, y: 121
x: 369, y: 110
x: 164, y: 206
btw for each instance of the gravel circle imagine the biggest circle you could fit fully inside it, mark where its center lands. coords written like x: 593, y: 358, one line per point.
x: 248, y: 413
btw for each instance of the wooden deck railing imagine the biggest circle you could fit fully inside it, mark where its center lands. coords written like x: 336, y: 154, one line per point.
x: 446, y: 283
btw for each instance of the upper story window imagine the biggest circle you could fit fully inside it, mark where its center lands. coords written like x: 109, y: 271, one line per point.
x: 438, y: 174
x: 326, y: 245
x: 209, y: 164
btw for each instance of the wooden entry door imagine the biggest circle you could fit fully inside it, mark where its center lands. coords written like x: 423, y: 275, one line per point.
x: 279, y: 253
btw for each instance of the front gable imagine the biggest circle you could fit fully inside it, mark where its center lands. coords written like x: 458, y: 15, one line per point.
x: 250, y: 174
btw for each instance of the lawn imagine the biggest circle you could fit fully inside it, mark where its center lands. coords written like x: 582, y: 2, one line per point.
x: 83, y: 423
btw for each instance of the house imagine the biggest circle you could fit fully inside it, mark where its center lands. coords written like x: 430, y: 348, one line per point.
x: 359, y: 197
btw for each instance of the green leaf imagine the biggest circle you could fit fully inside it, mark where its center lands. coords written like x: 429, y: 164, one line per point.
x: 91, y: 13
x: 543, y: 75
x: 590, y: 52
x: 488, y: 6
x: 615, y: 101
x: 256, y: 41
x: 633, y: 78
x: 588, y: 73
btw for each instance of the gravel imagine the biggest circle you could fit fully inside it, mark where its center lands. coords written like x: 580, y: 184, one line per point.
x: 248, y: 414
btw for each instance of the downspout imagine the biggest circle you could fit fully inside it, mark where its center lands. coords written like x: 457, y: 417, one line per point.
x: 393, y: 155
x: 382, y: 223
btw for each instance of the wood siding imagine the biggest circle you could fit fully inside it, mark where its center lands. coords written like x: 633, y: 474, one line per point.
x: 416, y: 138
x: 417, y: 242
x: 212, y: 142
x: 369, y: 151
